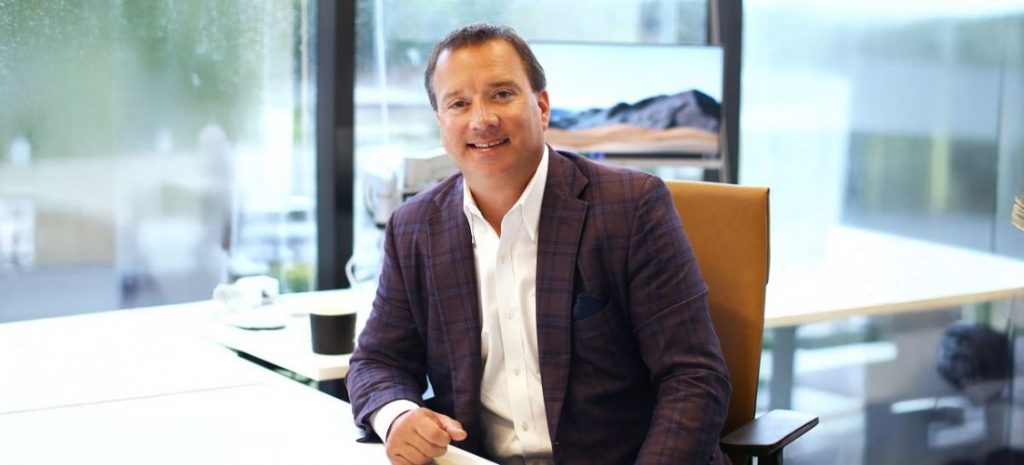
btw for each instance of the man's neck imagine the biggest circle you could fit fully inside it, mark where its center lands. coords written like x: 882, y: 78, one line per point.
x: 494, y: 201
x: 495, y: 195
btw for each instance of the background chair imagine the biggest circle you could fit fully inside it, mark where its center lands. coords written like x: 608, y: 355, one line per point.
x: 728, y: 228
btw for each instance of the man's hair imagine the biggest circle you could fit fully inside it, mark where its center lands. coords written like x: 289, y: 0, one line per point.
x: 477, y: 34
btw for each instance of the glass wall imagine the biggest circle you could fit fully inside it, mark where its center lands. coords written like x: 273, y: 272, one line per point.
x: 899, y: 120
x: 884, y: 115
x: 150, y: 150
x: 394, y: 37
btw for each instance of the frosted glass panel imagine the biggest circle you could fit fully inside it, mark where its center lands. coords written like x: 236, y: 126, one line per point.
x: 149, y: 150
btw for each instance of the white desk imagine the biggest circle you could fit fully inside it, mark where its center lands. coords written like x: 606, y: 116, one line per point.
x: 858, y: 273
x: 862, y: 273
x: 114, y: 355
x: 291, y: 348
x: 280, y: 422
x: 144, y: 386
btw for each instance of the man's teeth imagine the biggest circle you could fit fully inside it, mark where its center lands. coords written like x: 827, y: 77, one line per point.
x: 492, y: 144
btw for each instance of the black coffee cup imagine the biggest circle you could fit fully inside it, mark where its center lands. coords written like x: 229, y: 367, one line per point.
x: 333, y: 330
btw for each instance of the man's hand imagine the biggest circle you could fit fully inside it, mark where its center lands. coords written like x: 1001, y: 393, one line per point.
x: 418, y: 436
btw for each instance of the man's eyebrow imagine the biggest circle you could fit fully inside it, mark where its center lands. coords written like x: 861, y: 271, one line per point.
x: 504, y: 84
x: 450, y: 94
x: 493, y: 85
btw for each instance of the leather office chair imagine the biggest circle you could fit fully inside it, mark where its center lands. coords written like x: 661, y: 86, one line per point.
x: 728, y: 228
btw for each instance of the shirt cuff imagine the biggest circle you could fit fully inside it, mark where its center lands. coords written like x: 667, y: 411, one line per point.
x: 386, y: 415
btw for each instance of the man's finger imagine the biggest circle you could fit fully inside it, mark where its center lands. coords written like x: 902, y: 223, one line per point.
x: 413, y: 455
x: 427, y: 449
x: 431, y: 430
x: 399, y: 460
x: 452, y: 427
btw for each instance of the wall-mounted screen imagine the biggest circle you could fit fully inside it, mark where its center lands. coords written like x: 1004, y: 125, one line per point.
x: 630, y: 100
x: 583, y: 75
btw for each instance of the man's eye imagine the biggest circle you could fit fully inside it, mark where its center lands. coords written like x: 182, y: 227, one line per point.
x: 503, y: 94
x: 457, y: 105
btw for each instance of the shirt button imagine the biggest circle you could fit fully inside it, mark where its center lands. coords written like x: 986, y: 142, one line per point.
x: 509, y: 315
x: 516, y: 372
x: 525, y: 426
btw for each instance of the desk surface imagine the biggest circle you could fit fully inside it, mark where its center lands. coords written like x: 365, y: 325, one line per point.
x: 280, y: 422
x: 862, y: 272
x: 276, y: 423
x: 291, y: 347
x: 106, y: 356
x: 143, y: 386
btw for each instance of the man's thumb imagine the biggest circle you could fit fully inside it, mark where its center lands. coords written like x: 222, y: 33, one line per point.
x: 452, y: 427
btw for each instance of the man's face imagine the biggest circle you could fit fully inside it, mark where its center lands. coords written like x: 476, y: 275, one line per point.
x: 492, y: 123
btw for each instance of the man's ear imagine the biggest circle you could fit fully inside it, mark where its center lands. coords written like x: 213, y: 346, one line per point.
x: 545, y: 107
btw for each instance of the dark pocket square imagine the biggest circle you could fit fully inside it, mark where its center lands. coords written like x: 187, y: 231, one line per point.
x: 587, y: 305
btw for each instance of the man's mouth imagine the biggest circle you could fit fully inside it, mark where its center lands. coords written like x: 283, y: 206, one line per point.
x: 485, y: 145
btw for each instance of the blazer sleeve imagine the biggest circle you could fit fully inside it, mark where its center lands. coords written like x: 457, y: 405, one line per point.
x: 389, y: 362
x: 668, y: 306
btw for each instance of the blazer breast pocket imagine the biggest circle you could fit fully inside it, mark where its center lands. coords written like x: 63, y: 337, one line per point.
x: 587, y: 305
x: 588, y: 314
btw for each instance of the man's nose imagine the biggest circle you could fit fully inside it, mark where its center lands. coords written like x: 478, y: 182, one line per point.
x: 483, y: 117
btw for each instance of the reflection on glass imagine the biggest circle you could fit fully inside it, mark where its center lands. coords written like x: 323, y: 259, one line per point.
x: 934, y: 387
x: 1017, y: 216
x: 149, y: 150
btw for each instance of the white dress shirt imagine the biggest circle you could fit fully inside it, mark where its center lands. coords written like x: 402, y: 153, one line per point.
x: 511, y: 394
x: 512, y: 397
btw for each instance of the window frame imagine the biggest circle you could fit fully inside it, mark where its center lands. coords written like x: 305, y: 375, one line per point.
x: 335, y: 140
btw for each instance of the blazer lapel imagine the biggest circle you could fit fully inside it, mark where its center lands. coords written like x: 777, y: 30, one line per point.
x: 561, y: 224
x: 453, y: 269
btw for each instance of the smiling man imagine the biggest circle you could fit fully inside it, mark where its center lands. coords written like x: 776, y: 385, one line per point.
x: 553, y: 304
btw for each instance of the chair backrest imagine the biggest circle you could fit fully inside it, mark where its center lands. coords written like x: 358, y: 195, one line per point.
x: 728, y: 228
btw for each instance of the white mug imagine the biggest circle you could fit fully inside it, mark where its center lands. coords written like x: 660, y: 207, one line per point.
x: 236, y: 297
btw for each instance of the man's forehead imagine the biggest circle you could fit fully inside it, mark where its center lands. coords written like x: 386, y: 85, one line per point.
x: 494, y: 51
x: 482, y: 63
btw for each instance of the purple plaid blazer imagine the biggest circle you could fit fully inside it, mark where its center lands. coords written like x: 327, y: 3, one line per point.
x: 630, y: 364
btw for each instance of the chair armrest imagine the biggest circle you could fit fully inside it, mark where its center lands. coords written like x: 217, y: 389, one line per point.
x: 768, y: 433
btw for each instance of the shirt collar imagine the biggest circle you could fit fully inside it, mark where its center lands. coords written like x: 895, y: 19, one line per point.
x: 529, y: 202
